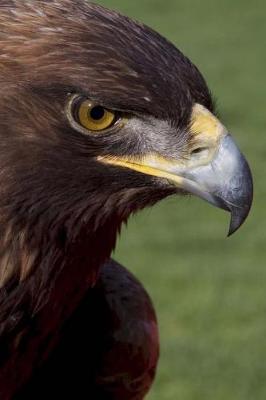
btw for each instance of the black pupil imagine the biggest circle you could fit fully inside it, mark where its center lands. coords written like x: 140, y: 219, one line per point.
x: 97, y: 113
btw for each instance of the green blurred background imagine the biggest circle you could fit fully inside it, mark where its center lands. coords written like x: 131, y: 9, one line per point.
x: 209, y: 291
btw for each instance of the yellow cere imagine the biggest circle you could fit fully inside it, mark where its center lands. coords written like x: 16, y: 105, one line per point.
x: 204, y: 122
x: 94, y: 117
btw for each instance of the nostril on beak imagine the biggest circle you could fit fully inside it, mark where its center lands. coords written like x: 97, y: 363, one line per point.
x: 200, y: 152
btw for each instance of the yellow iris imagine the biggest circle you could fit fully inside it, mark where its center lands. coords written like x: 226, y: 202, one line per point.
x: 95, y: 117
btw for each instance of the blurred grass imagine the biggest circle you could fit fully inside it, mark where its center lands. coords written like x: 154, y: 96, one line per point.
x: 209, y: 291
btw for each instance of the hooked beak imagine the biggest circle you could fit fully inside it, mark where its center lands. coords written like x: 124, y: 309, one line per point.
x: 225, y: 182
x: 215, y: 171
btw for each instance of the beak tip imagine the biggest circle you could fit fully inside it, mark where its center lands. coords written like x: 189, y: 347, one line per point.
x: 238, y: 217
x: 232, y: 229
x: 243, y: 201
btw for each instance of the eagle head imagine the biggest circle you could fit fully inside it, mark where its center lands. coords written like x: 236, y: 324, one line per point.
x: 101, y: 116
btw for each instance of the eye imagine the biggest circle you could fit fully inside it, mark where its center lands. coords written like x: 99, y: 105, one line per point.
x: 93, y: 116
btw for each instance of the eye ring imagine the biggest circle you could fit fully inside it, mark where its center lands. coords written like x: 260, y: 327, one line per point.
x: 89, y: 116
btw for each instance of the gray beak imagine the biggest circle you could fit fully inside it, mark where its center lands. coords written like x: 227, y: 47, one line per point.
x: 225, y: 182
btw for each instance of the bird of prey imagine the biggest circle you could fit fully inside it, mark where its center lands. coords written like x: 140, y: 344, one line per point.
x: 100, y: 116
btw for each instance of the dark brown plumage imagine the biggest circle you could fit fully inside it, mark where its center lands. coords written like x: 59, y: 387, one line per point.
x: 111, y: 340
x: 62, y: 205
